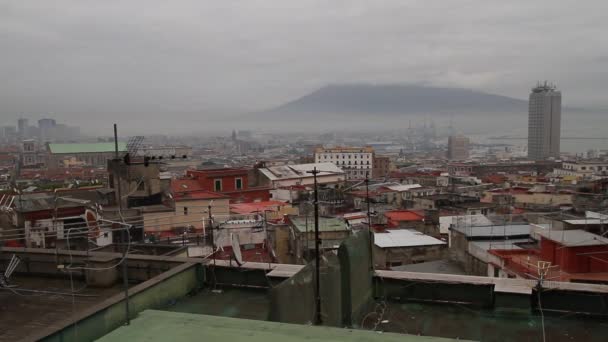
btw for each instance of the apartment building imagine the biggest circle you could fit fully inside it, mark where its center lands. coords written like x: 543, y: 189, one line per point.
x: 357, y: 162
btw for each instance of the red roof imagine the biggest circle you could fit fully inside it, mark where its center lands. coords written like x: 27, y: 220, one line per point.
x: 403, y: 215
x: 197, y: 195
x: 495, y: 179
x: 184, y: 185
x: 256, y: 207
x: 220, y: 172
x: 257, y: 254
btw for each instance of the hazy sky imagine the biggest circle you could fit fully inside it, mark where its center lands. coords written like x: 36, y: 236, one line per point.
x: 89, y: 61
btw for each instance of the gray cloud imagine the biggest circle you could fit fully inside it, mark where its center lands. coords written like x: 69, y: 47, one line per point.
x: 91, y: 61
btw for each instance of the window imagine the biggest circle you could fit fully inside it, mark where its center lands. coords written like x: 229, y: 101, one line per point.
x: 238, y: 183
x: 217, y: 185
x: 185, y: 211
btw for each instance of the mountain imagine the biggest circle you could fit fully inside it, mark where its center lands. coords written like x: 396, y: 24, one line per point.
x: 394, y: 100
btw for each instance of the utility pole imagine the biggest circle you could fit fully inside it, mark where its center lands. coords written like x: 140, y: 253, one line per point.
x: 318, y: 319
x: 125, y: 271
x: 369, y: 222
x: 211, y: 231
x: 268, y: 245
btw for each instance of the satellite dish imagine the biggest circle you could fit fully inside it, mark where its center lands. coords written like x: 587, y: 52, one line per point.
x: 91, y: 219
x: 236, y: 249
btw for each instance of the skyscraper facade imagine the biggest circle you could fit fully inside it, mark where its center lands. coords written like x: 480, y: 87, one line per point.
x: 458, y: 147
x: 22, y: 128
x: 544, y: 122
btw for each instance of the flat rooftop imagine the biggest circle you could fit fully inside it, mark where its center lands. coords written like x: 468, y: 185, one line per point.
x: 573, y: 238
x: 325, y: 224
x: 458, y: 321
x: 404, y: 238
x: 41, y: 302
x: 226, y: 302
x: 152, y: 325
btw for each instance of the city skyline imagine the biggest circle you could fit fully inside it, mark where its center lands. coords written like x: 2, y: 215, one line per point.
x: 199, y: 60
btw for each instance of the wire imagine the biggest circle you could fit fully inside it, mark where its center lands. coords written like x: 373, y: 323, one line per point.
x: 542, y: 315
x: 100, y: 268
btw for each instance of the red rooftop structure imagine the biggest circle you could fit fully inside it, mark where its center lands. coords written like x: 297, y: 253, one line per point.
x: 567, y: 255
x: 397, y: 218
x: 232, y: 182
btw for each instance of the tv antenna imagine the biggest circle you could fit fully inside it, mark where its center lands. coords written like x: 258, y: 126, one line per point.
x: 134, y: 144
x: 12, y: 265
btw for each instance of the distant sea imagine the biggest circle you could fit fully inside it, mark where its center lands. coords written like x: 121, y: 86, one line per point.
x: 574, y: 125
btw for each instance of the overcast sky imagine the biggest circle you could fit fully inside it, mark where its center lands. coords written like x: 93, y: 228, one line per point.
x: 86, y: 61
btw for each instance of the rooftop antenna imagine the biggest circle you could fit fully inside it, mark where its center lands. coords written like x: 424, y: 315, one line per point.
x: 12, y: 265
x: 132, y: 148
x: 134, y: 144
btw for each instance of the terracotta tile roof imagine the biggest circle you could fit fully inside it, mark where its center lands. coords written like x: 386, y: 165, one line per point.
x: 403, y: 215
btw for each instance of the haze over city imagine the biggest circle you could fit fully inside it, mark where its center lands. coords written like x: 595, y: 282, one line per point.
x: 161, y: 67
x: 264, y: 170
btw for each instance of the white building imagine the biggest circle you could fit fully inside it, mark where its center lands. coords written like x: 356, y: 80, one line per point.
x: 293, y: 175
x: 583, y: 169
x: 357, y: 162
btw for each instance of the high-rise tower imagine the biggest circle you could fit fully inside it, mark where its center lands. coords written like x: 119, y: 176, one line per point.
x: 544, y: 122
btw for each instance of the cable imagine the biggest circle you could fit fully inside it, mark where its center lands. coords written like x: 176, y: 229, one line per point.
x: 540, y: 308
x: 100, y: 268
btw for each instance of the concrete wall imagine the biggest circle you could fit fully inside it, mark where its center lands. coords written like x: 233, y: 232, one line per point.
x: 44, y: 262
x: 281, y: 245
x: 355, y: 256
x: 196, y: 213
x: 384, y: 257
x: 346, y: 288
x: 100, y: 319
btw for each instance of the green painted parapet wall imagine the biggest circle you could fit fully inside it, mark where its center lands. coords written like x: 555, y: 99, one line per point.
x: 357, y: 277
x: 347, y: 288
x: 100, y: 319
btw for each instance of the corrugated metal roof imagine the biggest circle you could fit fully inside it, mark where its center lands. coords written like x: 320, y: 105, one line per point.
x: 300, y: 171
x: 494, y: 231
x: 86, y: 148
x: 404, y: 238
x: 38, y: 202
x: 325, y: 224
x: 403, y: 187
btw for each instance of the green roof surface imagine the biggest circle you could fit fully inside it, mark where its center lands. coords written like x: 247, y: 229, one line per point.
x: 86, y: 148
x: 153, y: 325
x: 325, y: 224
